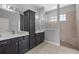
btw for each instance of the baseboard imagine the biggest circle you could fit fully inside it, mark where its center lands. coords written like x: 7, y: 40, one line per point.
x: 52, y: 42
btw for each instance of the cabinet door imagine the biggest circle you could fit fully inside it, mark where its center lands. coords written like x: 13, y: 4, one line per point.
x: 42, y: 37
x: 8, y: 47
x: 32, y: 22
x: 38, y: 38
x: 0, y: 50
x: 26, y: 21
x: 32, y: 41
x: 22, y: 22
x: 24, y: 44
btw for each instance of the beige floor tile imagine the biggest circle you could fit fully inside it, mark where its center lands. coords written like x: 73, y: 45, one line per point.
x: 46, y: 48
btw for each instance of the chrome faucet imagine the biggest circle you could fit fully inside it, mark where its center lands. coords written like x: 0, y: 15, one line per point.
x: 13, y: 32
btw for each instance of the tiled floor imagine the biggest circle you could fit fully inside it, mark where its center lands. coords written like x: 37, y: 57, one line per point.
x: 46, y: 48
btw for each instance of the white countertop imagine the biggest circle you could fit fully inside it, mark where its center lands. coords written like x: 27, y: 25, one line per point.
x: 8, y: 35
x: 39, y: 31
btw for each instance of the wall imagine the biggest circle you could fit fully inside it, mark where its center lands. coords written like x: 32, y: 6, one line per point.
x: 4, y: 24
x: 77, y: 18
x: 13, y: 19
x: 40, y: 20
x: 77, y: 23
x: 37, y: 21
x: 52, y: 28
x: 62, y: 10
x: 67, y: 29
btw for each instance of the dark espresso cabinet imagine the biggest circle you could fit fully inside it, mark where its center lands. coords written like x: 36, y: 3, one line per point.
x: 0, y: 50
x: 32, y: 41
x: 20, y: 45
x: 32, y: 22
x: 29, y: 21
x: 21, y: 22
x: 29, y: 25
x: 7, y: 47
x: 24, y: 44
x: 39, y: 38
x: 42, y: 36
x: 10, y: 49
x: 14, y: 45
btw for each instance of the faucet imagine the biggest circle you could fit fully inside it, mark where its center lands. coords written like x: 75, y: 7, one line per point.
x: 13, y: 32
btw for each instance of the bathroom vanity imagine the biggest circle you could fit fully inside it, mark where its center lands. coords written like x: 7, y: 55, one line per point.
x: 14, y: 44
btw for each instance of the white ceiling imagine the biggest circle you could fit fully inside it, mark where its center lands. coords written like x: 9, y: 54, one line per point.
x: 24, y: 7
x: 47, y: 7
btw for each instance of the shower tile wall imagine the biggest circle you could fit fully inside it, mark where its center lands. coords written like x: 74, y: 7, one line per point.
x: 68, y: 30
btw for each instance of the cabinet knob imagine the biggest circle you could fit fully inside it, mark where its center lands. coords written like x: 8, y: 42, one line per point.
x: 16, y: 43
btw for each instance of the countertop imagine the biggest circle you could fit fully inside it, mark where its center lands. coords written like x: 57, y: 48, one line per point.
x: 8, y: 35
x: 39, y: 31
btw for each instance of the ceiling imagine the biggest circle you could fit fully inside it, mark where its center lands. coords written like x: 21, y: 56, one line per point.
x: 47, y: 7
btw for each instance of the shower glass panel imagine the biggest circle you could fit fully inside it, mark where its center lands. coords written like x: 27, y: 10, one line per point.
x: 52, y: 25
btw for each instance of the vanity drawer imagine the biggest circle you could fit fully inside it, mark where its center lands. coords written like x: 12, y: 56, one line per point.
x: 4, y: 42
x: 16, y: 39
x: 26, y: 37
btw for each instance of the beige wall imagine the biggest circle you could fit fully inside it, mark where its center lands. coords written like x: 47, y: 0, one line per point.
x: 68, y: 28
x: 77, y: 18
x: 77, y: 23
